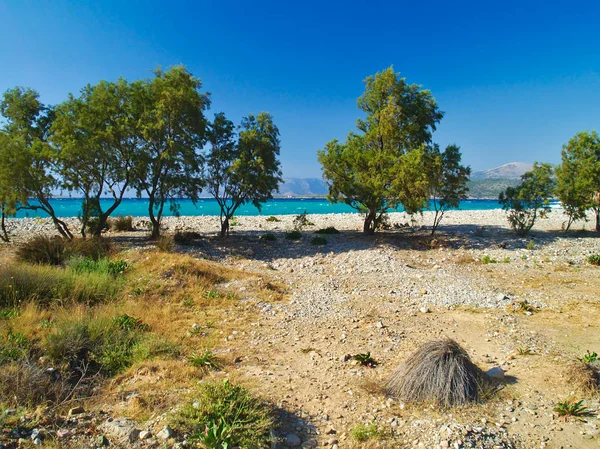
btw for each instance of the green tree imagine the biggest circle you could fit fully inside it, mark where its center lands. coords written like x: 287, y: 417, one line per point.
x: 27, y: 129
x: 96, y: 137
x: 12, y: 191
x: 529, y: 199
x: 448, y: 181
x: 377, y: 168
x: 578, y: 178
x: 169, y: 162
x: 244, y: 172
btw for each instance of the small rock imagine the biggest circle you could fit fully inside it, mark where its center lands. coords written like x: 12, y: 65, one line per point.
x: 424, y: 309
x: 144, y: 435
x: 293, y: 440
x: 495, y: 373
x: 380, y: 325
x: 76, y: 411
x: 501, y: 297
x: 166, y: 433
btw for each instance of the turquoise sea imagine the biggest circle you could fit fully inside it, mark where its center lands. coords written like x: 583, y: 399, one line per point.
x: 70, y: 207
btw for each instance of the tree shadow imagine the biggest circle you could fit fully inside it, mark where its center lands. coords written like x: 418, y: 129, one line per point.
x: 286, y: 430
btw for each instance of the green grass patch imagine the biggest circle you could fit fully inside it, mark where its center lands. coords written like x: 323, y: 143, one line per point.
x: 594, y: 259
x: 365, y: 432
x: 223, y: 415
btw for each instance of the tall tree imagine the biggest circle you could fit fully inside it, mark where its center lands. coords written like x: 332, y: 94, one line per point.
x: 13, y: 192
x: 530, y: 199
x: 375, y: 169
x: 448, y: 182
x: 578, y: 178
x: 244, y: 172
x: 169, y: 162
x: 27, y: 128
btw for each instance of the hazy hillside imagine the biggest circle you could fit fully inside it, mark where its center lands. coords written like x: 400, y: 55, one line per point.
x: 512, y: 170
x: 303, y: 187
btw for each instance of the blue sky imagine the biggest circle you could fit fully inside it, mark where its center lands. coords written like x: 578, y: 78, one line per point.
x: 515, y: 79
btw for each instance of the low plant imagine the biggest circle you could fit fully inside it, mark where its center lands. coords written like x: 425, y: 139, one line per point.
x: 530, y: 245
x: 165, y: 243
x: 273, y: 219
x: 318, y: 240
x: 524, y: 306
x: 268, y: 237
x: 293, y: 235
x: 206, y: 360
x: 122, y: 224
x: 43, y: 250
x: 594, y: 259
x: 233, y: 221
x: 487, y: 259
x: 186, y: 237
x: 81, y: 264
x: 523, y: 351
x: 212, y: 294
x: 14, y: 346
x: 589, y: 357
x: 129, y: 323
x: 24, y: 383
x: 365, y: 432
x: 365, y: 360
x: 570, y: 408
x: 506, y: 260
x: 327, y: 231
x: 223, y: 415
x: 301, y: 221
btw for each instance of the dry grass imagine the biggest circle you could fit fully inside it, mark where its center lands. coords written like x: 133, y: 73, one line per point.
x: 440, y: 372
x: 584, y: 377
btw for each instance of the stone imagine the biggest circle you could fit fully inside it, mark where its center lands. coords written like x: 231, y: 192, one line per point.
x: 501, y: 297
x: 495, y: 373
x: 293, y: 440
x: 380, y: 325
x: 62, y: 433
x: 122, y: 429
x: 76, y: 411
x: 145, y: 434
x: 166, y: 433
x: 424, y: 309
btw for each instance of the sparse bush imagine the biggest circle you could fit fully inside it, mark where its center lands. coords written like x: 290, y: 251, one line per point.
x: 25, y: 384
x: 122, y: 224
x: 13, y: 347
x: 365, y: 432
x: 570, y: 408
x: 186, y: 237
x: 318, y: 240
x: 584, y: 376
x: 129, y: 323
x: 268, y: 237
x: 594, y: 259
x: 301, y: 221
x: 223, y: 415
x: 165, y: 243
x: 293, y: 235
x: 327, y: 231
x: 43, y: 250
x: 273, y: 219
x: 439, y: 372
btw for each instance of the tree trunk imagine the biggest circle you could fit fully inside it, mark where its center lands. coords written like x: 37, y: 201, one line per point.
x: 4, y: 235
x: 597, y: 219
x: 369, y: 224
x: 225, y: 227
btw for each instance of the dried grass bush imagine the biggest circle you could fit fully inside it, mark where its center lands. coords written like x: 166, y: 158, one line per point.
x: 585, y: 377
x: 440, y: 372
x: 26, y: 384
x: 122, y: 224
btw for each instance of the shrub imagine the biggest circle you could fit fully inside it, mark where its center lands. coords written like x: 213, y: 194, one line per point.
x: 530, y: 245
x: 26, y: 384
x: 293, y: 235
x: 329, y: 230
x: 224, y: 415
x: 186, y: 237
x: 101, y: 344
x: 584, y: 376
x: 318, y: 240
x: 594, y: 259
x: 273, y: 219
x: 43, y: 250
x: 268, y: 237
x: 13, y: 347
x: 122, y: 224
x: 440, y: 372
x: 301, y: 221
x: 487, y: 259
x: 165, y: 243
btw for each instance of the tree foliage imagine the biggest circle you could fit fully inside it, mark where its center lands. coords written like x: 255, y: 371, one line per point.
x: 530, y: 199
x: 379, y: 167
x: 168, y: 163
x: 246, y: 171
x: 578, y: 178
x: 448, y: 181
x: 29, y: 155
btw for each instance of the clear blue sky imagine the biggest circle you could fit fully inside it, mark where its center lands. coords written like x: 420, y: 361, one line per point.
x: 516, y: 79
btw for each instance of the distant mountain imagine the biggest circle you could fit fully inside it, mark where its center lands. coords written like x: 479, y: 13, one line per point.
x: 512, y: 170
x: 303, y: 187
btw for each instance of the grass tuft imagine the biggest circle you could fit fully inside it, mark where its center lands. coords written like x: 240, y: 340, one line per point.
x: 122, y: 224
